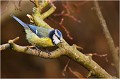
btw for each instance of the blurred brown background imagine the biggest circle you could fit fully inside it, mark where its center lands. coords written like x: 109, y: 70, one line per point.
x: 87, y: 34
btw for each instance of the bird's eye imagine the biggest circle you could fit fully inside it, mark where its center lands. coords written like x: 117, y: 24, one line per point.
x: 58, y: 33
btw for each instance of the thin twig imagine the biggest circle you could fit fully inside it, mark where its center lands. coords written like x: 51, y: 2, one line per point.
x: 110, y: 41
x: 4, y: 46
x: 7, y: 45
x: 75, y: 73
x: 65, y: 68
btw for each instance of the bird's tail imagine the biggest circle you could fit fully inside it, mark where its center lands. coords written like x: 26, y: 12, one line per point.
x: 21, y: 22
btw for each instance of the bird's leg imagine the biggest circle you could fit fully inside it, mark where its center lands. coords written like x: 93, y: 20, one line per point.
x: 36, y: 47
x: 47, y: 51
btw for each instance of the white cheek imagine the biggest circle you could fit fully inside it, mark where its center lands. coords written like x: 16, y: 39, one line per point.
x: 56, y: 33
x: 36, y: 31
x: 55, y: 39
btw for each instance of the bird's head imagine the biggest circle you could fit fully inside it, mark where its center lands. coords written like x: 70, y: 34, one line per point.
x: 56, y: 36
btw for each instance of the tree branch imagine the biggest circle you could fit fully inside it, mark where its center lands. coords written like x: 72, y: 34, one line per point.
x: 64, y: 49
x: 49, y: 12
x: 7, y: 45
x: 110, y: 41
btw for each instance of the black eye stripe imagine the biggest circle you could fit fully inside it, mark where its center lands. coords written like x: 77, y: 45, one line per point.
x: 53, y: 39
x: 57, y: 37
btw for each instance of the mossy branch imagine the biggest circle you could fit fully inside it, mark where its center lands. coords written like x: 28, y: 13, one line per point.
x: 113, y: 50
x: 63, y: 49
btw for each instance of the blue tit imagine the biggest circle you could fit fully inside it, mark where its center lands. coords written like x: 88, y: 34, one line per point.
x: 40, y: 36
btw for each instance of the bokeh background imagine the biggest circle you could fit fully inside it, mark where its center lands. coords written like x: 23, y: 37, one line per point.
x: 88, y: 34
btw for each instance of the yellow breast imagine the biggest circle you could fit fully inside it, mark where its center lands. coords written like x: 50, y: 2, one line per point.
x: 43, y: 42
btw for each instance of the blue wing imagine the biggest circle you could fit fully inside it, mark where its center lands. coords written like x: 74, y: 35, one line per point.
x: 39, y: 31
x: 34, y: 29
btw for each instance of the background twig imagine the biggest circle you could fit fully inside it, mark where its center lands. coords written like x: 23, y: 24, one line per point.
x: 113, y: 49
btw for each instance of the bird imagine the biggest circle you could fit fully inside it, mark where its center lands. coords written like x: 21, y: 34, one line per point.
x: 41, y: 36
